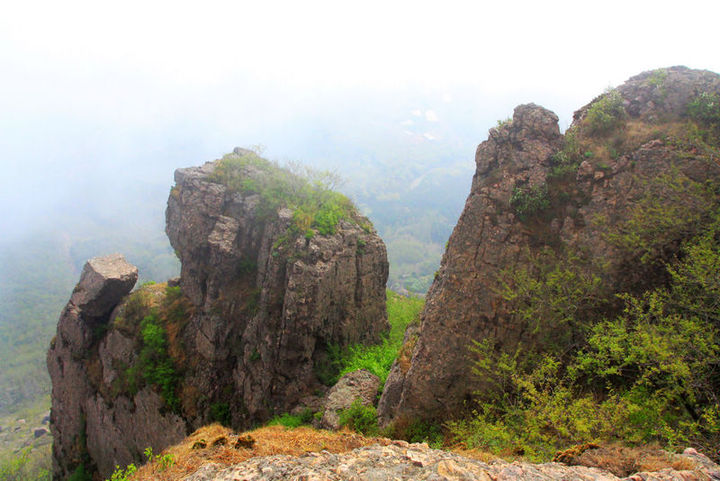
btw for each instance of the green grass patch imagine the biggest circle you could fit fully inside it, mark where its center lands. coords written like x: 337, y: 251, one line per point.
x: 378, y: 358
x: 292, y: 421
x: 317, y: 208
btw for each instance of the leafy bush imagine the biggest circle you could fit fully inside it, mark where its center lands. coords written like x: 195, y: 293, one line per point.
x: 121, y: 474
x: 25, y: 465
x: 80, y: 474
x: 606, y: 113
x: 292, y: 421
x: 220, y: 412
x: 154, y: 364
x: 673, y: 208
x: 308, y: 193
x: 705, y: 107
x: 360, y: 418
x: 529, y: 201
x: 645, y: 371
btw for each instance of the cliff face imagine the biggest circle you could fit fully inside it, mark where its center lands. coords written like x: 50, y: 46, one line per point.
x: 537, y: 191
x: 243, y: 335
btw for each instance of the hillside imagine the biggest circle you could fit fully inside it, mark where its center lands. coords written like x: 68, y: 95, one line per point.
x: 578, y: 296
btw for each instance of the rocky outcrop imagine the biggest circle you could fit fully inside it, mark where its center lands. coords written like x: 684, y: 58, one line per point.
x: 103, y: 283
x: 496, y: 232
x: 243, y: 337
x: 361, y: 385
x: 402, y: 461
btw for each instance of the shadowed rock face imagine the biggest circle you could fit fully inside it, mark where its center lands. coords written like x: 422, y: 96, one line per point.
x: 103, y: 284
x: 261, y: 308
x: 464, y: 303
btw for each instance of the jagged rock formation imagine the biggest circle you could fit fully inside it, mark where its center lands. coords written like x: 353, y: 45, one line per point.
x: 623, y: 153
x: 241, y: 336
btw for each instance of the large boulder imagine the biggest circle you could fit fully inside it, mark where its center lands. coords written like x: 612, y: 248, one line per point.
x: 361, y: 385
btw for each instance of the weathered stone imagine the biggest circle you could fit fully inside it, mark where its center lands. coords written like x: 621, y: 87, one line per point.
x: 413, y: 462
x: 103, y: 283
x: 464, y: 302
x: 361, y: 384
x: 262, y: 308
x: 39, y: 432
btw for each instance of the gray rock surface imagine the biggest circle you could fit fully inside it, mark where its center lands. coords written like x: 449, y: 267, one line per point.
x: 103, y: 283
x: 401, y: 461
x: 361, y: 384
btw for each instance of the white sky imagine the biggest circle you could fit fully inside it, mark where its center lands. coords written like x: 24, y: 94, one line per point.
x: 70, y: 70
x: 500, y: 45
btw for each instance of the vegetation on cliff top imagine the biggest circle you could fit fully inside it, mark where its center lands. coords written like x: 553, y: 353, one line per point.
x: 316, y: 207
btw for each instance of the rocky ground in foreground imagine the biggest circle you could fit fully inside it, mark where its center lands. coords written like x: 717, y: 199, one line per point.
x: 216, y: 453
x: 402, y: 461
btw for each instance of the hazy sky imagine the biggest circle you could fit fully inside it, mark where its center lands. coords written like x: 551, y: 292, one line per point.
x: 93, y: 86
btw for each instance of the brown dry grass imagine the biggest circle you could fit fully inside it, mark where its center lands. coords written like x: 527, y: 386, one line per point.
x: 623, y: 461
x: 269, y: 440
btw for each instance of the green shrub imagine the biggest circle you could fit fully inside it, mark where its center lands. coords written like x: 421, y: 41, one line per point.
x: 360, y: 418
x: 154, y: 365
x: 529, y: 201
x: 308, y: 193
x: 646, y: 372
x: 288, y: 420
x: 121, y: 474
x: 673, y: 208
x: 220, y: 412
x: 705, y: 107
x: 80, y: 474
x: 420, y: 431
x: 606, y: 113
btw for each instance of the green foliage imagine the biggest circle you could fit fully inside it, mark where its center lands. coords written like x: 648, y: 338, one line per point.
x: 673, y: 208
x: 220, y: 412
x: 163, y: 461
x: 529, y: 201
x: 121, y: 474
x: 605, y: 114
x: 644, y: 372
x: 378, y: 358
x: 420, y: 431
x: 154, y: 363
x: 705, y: 107
x: 308, y: 193
x: 552, y: 297
x: 23, y: 466
x: 291, y: 421
x: 360, y: 418
x: 80, y: 474
x: 566, y: 161
x: 657, y: 79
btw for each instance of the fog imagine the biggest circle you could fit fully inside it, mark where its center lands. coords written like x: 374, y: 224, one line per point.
x: 100, y: 102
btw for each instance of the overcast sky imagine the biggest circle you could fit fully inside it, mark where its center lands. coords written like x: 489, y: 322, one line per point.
x: 89, y: 84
